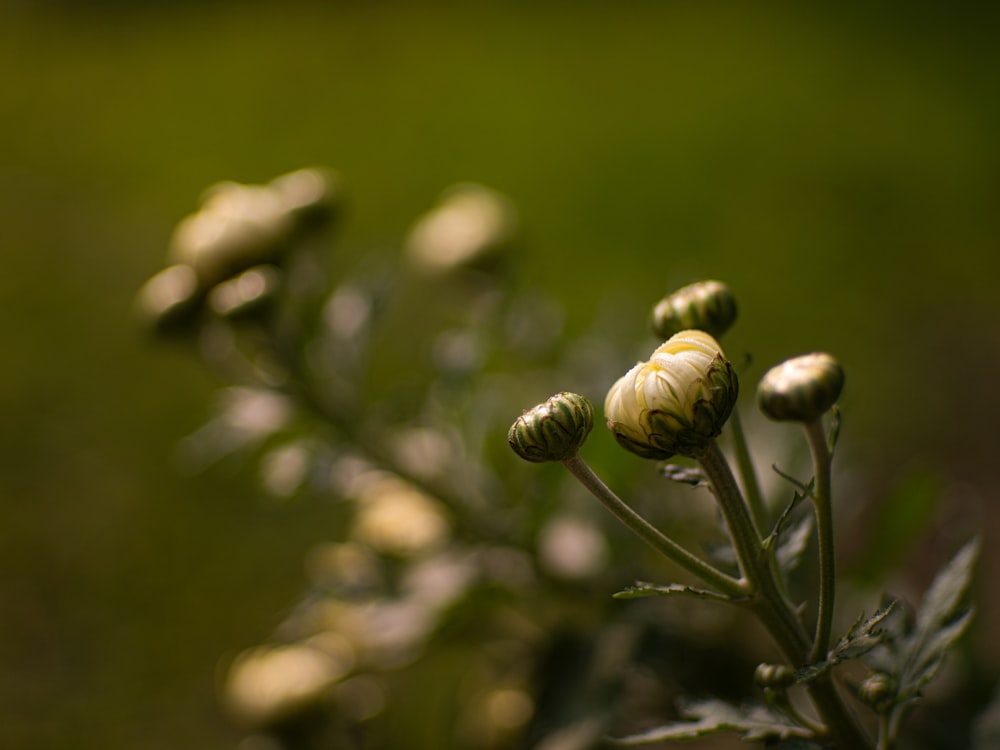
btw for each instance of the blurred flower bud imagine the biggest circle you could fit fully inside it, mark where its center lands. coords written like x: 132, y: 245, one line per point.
x: 878, y: 691
x: 774, y: 676
x: 169, y: 301
x: 677, y: 401
x: 310, y: 195
x: 246, y: 293
x: 238, y: 226
x: 271, y: 684
x: 703, y: 306
x: 554, y: 430
x: 470, y: 223
x: 800, y: 389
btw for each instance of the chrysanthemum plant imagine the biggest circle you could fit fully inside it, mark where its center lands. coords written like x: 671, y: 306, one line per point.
x: 436, y: 540
x: 678, y: 403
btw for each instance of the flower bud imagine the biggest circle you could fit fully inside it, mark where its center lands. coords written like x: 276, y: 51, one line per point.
x: 169, y: 300
x: 677, y: 401
x: 237, y: 227
x: 878, y: 691
x: 774, y: 676
x: 554, y: 430
x: 704, y: 306
x: 800, y: 389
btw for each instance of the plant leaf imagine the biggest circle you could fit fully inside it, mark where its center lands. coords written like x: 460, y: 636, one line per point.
x: 862, y: 637
x: 641, y: 589
x: 913, y: 654
x: 941, y: 621
x: 754, y: 723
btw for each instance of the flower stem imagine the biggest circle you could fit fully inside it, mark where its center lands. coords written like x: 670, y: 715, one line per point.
x: 771, y: 606
x: 824, y: 531
x: 649, y: 534
x: 747, y: 472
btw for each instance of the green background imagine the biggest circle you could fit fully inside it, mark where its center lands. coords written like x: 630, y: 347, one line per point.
x: 839, y: 168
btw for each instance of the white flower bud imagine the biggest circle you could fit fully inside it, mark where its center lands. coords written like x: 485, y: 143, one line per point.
x: 675, y: 402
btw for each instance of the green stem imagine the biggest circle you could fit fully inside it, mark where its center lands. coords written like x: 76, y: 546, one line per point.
x: 824, y: 531
x: 747, y: 472
x: 649, y: 534
x: 770, y: 605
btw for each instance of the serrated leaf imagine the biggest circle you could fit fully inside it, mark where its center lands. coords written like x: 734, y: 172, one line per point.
x: 862, y: 637
x: 948, y: 589
x: 941, y: 621
x: 642, y: 589
x: 914, y: 655
x: 754, y: 723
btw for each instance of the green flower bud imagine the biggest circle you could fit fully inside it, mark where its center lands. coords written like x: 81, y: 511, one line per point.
x: 774, y: 676
x: 703, y: 306
x: 554, y: 430
x: 878, y: 691
x: 677, y: 401
x: 801, y: 389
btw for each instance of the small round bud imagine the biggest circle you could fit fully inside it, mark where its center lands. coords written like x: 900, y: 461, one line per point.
x: 774, y: 676
x: 554, y: 430
x: 878, y: 691
x: 706, y: 306
x: 801, y: 389
x: 677, y: 401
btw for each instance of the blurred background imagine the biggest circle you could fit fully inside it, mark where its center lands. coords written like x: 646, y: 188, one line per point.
x: 838, y: 167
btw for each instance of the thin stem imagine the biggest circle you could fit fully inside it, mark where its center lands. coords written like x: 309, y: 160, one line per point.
x: 771, y: 607
x: 748, y: 474
x: 649, y: 534
x: 824, y: 531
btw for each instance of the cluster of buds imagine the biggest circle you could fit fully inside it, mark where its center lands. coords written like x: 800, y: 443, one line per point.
x: 226, y: 256
x: 675, y: 402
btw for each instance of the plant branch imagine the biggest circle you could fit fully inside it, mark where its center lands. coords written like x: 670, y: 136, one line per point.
x: 651, y: 535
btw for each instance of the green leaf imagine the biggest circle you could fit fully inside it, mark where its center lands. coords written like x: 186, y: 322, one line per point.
x: 913, y: 655
x: 941, y: 621
x: 863, y: 636
x: 641, y: 589
x: 754, y: 723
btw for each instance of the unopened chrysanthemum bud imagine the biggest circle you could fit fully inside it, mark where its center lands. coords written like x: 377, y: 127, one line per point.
x: 774, y: 676
x: 878, y: 691
x: 677, y: 401
x: 554, y: 430
x: 704, y: 306
x: 801, y: 389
